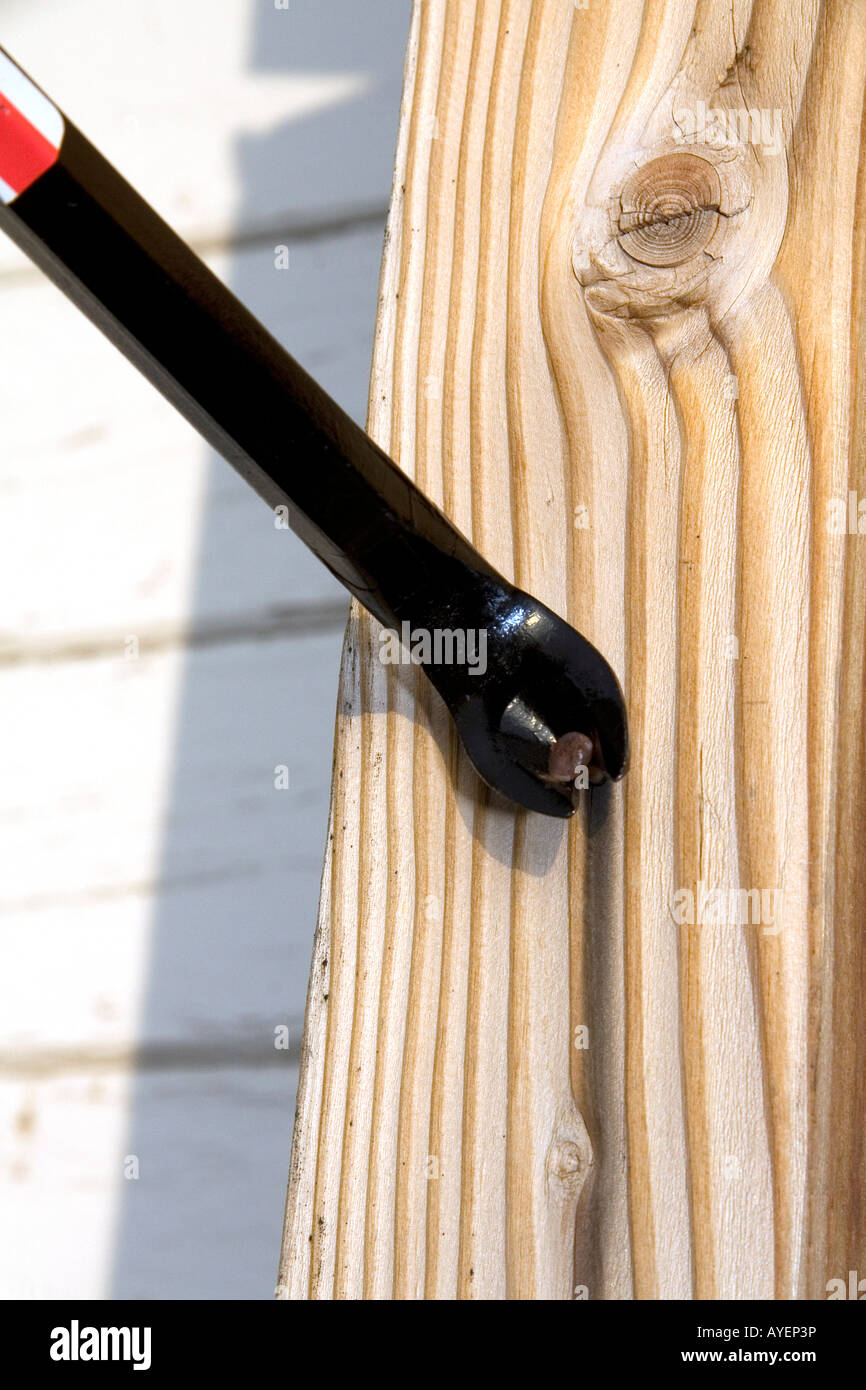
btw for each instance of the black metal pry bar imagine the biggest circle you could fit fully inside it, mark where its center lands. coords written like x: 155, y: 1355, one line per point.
x: 544, y: 706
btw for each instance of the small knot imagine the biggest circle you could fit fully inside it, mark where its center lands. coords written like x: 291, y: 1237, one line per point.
x: 669, y: 210
x: 564, y: 1160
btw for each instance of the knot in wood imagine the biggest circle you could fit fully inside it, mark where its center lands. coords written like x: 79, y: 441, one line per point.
x: 670, y: 210
x: 564, y: 1160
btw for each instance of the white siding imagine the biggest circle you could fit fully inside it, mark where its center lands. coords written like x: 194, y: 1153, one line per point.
x: 157, y: 892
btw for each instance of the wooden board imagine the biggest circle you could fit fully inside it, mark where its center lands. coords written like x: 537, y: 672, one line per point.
x: 620, y: 340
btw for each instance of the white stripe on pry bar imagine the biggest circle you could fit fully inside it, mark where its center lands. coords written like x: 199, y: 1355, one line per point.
x: 33, y: 105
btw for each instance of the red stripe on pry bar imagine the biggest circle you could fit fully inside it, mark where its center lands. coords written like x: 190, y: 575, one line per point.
x: 24, y: 151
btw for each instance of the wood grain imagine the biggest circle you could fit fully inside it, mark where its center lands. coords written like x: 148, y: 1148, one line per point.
x: 620, y: 340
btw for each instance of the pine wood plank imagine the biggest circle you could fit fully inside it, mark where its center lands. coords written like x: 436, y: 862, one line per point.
x: 623, y: 348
